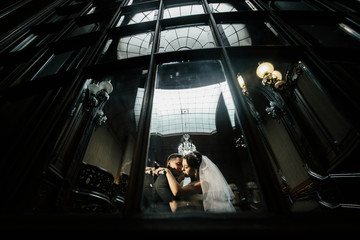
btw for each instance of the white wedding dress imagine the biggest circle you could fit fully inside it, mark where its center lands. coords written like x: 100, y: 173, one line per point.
x: 217, y: 194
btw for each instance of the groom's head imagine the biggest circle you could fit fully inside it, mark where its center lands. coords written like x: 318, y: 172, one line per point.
x: 174, y: 163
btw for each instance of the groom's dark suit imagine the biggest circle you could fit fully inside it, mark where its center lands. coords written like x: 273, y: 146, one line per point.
x: 157, y: 193
x: 162, y: 191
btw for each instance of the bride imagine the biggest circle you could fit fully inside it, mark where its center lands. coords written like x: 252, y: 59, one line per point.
x: 207, y: 184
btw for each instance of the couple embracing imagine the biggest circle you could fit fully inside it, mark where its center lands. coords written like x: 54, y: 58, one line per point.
x: 204, y: 187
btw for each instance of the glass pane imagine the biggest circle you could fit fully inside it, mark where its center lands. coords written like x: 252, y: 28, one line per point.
x: 53, y: 64
x: 336, y: 126
x: 186, y: 38
x: 235, y: 34
x: 135, y: 45
x: 139, y: 17
x: 83, y: 29
x: 131, y: 2
x: 339, y: 35
x: 255, y: 33
x: 180, y: 11
x: 108, y: 157
x: 193, y: 110
x: 91, y: 11
x: 222, y: 7
x: 294, y: 6
x: 24, y: 43
x: 235, y: 6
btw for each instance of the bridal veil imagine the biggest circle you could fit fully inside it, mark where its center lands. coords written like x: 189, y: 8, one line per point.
x: 217, y: 193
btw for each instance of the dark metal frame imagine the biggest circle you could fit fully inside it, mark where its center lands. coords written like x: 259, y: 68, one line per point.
x: 65, y: 139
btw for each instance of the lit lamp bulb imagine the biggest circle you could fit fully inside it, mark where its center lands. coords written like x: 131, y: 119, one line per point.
x: 277, y: 74
x: 264, y: 68
x: 242, y: 84
x: 93, y: 88
x: 107, y: 86
x: 241, y: 81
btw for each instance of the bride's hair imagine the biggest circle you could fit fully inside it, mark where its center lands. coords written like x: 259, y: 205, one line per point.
x: 194, y: 159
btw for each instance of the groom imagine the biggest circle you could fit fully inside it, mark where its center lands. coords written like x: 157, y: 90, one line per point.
x: 157, y: 193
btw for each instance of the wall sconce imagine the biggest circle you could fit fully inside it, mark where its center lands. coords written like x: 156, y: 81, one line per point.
x: 100, y: 118
x: 97, y: 94
x: 273, y: 110
x: 242, y: 84
x: 271, y: 77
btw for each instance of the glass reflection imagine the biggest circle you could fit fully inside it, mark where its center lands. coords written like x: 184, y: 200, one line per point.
x: 194, y: 110
x: 235, y: 34
x: 235, y: 6
x: 109, y: 154
x: 222, y: 7
x: 254, y: 33
x: 134, y: 45
x: 180, y: 11
x: 186, y: 38
x: 140, y: 17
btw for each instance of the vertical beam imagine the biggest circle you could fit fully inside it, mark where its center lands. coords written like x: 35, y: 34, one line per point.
x: 135, y: 188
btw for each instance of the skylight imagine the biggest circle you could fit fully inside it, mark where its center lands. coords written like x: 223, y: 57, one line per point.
x: 177, y: 111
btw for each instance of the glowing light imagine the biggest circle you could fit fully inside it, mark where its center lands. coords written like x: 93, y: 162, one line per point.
x: 264, y: 68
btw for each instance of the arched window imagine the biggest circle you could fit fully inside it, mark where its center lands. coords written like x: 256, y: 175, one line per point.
x: 134, y: 46
x: 186, y: 38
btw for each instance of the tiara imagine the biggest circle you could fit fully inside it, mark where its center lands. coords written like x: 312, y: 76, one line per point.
x: 196, y: 157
